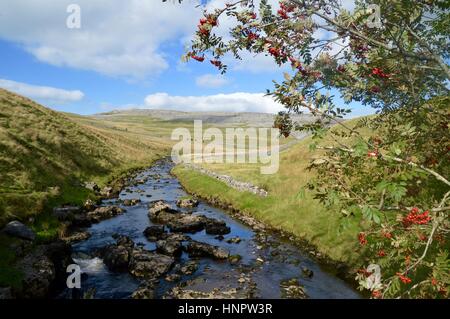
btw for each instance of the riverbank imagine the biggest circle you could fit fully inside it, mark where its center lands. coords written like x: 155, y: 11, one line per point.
x: 52, y: 232
x: 289, y: 207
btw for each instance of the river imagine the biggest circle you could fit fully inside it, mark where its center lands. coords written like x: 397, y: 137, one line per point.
x: 267, y: 259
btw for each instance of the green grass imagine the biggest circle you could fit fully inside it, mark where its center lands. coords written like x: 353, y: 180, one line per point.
x: 290, y: 206
x: 45, y: 156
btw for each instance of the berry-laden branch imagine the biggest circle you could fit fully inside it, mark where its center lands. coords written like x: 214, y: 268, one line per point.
x: 397, y: 160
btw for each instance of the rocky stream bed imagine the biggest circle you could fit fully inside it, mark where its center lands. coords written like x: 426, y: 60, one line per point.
x: 152, y: 240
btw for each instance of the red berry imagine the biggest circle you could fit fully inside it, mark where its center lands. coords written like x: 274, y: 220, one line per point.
x: 376, y: 294
x: 403, y: 278
x: 283, y: 14
x: 198, y: 58
x: 362, y: 239
x: 274, y: 51
x: 414, y: 217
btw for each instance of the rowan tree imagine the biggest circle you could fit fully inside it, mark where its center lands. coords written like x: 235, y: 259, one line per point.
x: 391, y: 170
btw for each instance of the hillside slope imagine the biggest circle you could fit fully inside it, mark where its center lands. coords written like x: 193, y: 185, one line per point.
x: 45, y: 154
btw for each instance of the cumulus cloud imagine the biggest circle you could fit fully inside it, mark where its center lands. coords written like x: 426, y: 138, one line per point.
x: 44, y: 93
x: 211, y: 81
x: 117, y: 38
x: 233, y: 102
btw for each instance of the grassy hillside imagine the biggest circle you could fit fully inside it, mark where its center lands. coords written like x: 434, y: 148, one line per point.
x: 45, y: 155
x: 289, y: 205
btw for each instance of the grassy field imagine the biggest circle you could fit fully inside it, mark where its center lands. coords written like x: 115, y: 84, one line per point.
x: 45, y: 155
x: 290, y: 206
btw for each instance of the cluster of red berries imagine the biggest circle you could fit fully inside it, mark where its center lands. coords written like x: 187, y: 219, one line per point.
x: 252, y: 36
x: 403, y: 278
x: 253, y: 15
x: 434, y: 282
x: 376, y: 294
x: 380, y: 73
x: 387, y: 235
x: 204, y: 28
x: 275, y: 52
x: 381, y: 253
x: 286, y: 8
x: 283, y: 14
x: 198, y: 58
x: 296, y: 64
x: 414, y: 217
x: 284, y: 11
x: 362, y: 239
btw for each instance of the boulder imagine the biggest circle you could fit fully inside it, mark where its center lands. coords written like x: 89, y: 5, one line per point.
x: 216, y: 227
x: 89, y: 205
x: 103, y: 213
x: 198, y: 249
x: 60, y: 254
x: 291, y: 289
x: 187, y: 223
x: 92, y: 186
x: 77, y: 237
x: 108, y: 192
x: 161, y: 212
x: 147, y: 264
x: 38, y: 275
x: 131, y: 202
x: 124, y: 241
x: 154, y: 233
x: 66, y: 212
x: 146, y: 291
x: 172, y: 278
x: 157, y: 207
x: 234, y: 240
x: 189, y: 267
x: 19, y: 230
x: 171, y: 245
x: 307, y: 272
x: 234, y: 259
x: 187, y: 203
x: 117, y: 256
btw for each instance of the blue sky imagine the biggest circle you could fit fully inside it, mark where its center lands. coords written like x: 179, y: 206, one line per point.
x: 112, y: 63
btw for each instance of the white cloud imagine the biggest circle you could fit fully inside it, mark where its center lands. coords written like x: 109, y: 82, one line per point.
x: 45, y: 93
x: 233, y: 102
x: 117, y: 38
x: 211, y: 81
